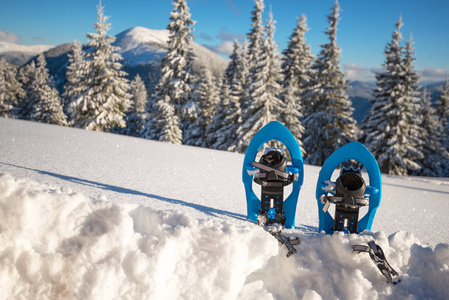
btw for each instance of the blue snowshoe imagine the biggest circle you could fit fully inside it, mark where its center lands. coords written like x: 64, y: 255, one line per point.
x: 273, y: 173
x: 350, y: 192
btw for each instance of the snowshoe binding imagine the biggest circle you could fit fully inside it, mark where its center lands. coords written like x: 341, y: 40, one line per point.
x: 272, y: 178
x: 273, y: 173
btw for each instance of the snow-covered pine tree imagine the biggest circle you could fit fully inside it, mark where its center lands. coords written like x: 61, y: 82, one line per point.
x: 175, y: 84
x: 136, y: 115
x: 442, y: 110
x: 103, y: 104
x: 297, y: 59
x: 48, y: 109
x: 254, y: 51
x: 218, y: 130
x: 5, y: 103
x: 47, y: 106
x: 228, y: 119
x: 208, y: 99
x: 274, y: 72
x: 292, y: 114
x: 328, y: 116
x: 435, y: 160
x: 390, y: 128
x: 163, y: 123
x: 264, y: 89
x: 232, y: 71
x: 11, y: 90
x: 243, y: 77
x: 76, y: 85
x: 26, y: 74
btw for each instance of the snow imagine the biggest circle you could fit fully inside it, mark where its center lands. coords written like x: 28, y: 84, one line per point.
x: 89, y: 215
x: 28, y: 49
x: 140, y: 45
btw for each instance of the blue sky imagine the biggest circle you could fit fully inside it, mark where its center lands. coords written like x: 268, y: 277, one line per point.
x: 364, y: 29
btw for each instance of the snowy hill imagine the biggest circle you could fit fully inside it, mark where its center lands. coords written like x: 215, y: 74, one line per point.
x: 89, y: 215
x: 20, y: 54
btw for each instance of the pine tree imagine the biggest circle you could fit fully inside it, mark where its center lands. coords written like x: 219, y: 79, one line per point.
x: 228, y: 119
x: 274, y: 72
x: 175, y: 85
x: 232, y: 96
x: 442, y: 110
x: 328, y: 119
x: 26, y: 74
x: 207, y: 98
x: 254, y: 51
x: 231, y: 71
x: 47, y: 106
x: 218, y: 132
x: 263, y: 104
x: 163, y: 124
x: 5, y: 104
x: 297, y: 59
x: 390, y: 129
x: 136, y: 115
x: 435, y: 159
x: 292, y: 114
x: 49, y: 109
x: 11, y: 90
x: 75, y: 74
x: 103, y: 104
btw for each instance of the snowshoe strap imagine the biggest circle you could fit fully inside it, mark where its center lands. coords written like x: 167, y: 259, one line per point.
x: 286, y: 241
x: 282, y: 176
x: 378, y: 257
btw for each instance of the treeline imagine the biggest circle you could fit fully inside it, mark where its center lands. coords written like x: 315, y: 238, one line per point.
x: 406, y: 133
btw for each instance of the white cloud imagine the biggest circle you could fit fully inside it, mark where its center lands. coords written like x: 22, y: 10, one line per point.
x: 9, y: 37
x: 224, y: 47
x: 226, y: 39
x: 355, y: 72
x: 435, y: 74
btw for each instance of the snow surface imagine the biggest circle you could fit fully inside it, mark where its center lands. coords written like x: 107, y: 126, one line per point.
x: 89, y: 215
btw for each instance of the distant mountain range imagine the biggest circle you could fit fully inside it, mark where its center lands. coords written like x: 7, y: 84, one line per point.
x: 361, y: 92
x: 143, y: 48
x: 20, y: 54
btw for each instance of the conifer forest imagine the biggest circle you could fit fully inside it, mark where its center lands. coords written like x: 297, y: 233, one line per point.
x: 407, y: 132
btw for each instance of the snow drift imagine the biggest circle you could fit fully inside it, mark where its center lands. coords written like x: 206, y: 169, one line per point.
x: 86, y: 215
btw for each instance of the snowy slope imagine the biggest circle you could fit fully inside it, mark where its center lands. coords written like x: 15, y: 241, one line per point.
x: 88, y: 215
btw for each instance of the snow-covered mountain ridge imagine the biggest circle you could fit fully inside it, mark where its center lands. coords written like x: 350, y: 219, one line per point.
x: 141, y: 49
x: 20, y: 54
x: 90, y: 215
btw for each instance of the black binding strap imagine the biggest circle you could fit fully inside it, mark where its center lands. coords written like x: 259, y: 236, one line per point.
x: 378, y: 257
x: 286, y: 241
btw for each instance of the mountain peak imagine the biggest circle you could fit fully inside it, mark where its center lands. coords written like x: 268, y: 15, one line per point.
x: 139, y: 35
x: 140, y: 45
